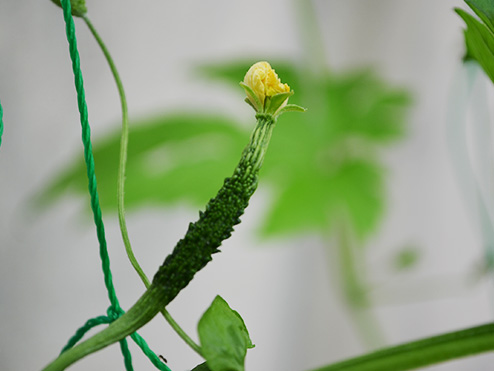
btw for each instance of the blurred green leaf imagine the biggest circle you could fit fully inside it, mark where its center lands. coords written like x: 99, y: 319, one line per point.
x: 485, y: 10
x: 479, y: 43
x: 322, y: 165
x: 224, y: 337
x: 317, y: 200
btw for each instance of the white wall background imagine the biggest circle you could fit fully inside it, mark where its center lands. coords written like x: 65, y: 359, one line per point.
x: 49, y: 270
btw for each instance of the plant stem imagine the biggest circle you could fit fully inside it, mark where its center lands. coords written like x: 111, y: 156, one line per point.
x: 141, y: 312
x: 423, y: 352
x: 191, y: 253
x: 124, y: 140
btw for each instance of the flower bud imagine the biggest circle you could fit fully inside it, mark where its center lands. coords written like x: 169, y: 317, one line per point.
x: 78, y: 7
x: 262, y: 84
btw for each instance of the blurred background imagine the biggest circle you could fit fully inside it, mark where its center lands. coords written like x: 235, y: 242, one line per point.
x: 371, y: 225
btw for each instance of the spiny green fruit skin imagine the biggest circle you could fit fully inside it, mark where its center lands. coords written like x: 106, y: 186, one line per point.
x: 216, y: 222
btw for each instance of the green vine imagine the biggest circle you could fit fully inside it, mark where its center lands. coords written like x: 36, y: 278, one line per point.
x: 421, y: 353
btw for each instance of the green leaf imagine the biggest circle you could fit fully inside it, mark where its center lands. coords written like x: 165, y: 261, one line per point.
x: 291, y: 108
x: 324, y: 164
x: 273, y: 103
x: 480, y: 43
x: 316, y: 202
x: 170, y: 158
x: 224, y: 337
x: 362, y: 106
x: 485, y: 10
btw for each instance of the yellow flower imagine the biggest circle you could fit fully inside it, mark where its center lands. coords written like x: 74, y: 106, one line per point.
x: 264, y: 83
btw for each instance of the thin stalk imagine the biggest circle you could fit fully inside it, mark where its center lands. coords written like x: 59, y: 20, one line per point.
x: 124, y: 140
x: 423, y: 352
x: 180, y: 332
x: 122, y: 165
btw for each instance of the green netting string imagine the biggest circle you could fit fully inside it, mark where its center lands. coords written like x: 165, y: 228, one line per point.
x: 115, y: 310
x: 89, y: 159
x: 88, y: 153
